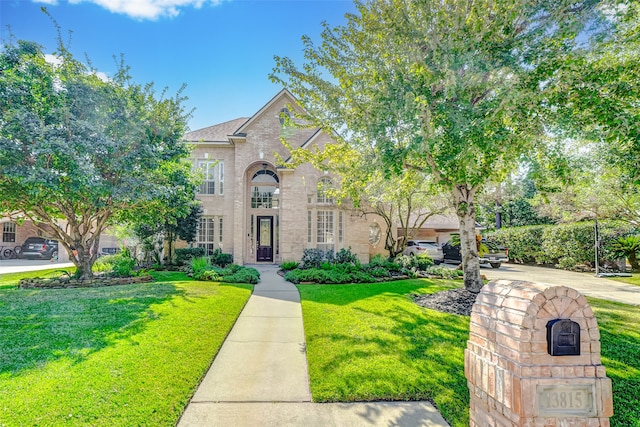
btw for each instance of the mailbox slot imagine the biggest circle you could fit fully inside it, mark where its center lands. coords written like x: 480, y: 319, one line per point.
x: 563, y: 337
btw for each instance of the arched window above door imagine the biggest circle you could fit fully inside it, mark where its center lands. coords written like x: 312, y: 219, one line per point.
x: 265, y: 175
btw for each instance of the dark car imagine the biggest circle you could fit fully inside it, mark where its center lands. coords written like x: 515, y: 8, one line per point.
x: 39, y: 247
x: 495, y: 257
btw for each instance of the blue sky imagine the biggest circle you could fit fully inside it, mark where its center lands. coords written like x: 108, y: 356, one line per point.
x: 222, y: 50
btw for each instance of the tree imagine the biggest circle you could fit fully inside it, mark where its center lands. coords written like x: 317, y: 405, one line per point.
x: 598, y: 96
x: 80, y: 152
x: 452, y: 89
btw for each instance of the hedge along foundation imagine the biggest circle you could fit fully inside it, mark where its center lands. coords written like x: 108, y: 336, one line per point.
x: 533, y: 358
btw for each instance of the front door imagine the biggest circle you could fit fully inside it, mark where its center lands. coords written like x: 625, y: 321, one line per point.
x: 265, y: 238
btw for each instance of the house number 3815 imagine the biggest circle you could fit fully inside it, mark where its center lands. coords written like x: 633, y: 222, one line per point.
x: 570, y: 400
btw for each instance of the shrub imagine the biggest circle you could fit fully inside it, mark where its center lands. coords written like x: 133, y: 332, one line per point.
x: 183, y: 255
x: 289, y: 265
x: 311, y: 258
x: 104, y: 264
x: 123, y: 264
x: 221, y: 259
x: 243, y: 275
x: 345, y: 256
x: 198, y: 266
x: 445, y: 272
x: 423, y: 262
x: 377, y: 261
x: 563, y: 245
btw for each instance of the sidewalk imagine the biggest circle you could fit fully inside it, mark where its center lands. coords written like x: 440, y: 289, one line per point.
x: 20, y: 265
x: 260, y: 378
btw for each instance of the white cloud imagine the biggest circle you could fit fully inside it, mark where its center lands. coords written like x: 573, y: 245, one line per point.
x: 53, y: 59
x: 51, y: 2
x: 146, y: 9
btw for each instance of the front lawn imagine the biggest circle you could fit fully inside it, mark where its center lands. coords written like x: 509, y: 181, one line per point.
x: 114, y: 356
x: 372, y: 342
x: 634, y: 279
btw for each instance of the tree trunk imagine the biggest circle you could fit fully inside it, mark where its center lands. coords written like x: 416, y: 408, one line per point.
x: 464, y: 204
x: 633, y: 260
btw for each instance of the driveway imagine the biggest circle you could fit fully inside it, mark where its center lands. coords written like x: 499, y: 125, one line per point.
x: 19, y: 265
x: 585, y: 283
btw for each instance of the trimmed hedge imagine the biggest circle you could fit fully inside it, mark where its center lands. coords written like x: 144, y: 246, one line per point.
x: 563, y: 246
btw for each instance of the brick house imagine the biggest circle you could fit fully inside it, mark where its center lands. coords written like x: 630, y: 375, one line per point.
x: 264, y: 213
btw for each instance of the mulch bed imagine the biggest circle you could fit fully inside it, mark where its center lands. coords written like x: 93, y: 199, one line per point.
x: 454, y: 301
x: 62, y: 283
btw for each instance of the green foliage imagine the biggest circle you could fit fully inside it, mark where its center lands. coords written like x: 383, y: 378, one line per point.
x: 289, y: 265
x: 221, y: 259
x: 565, y: 245
x: 627, y: 247
x: 198, y: 266
x: 242, y: 275
x: 87, y: 150
x: 123, y: 265
x: 444, y: 272
x: 183, y: 255
x: 331, y: 276
x: 345, y: 256
x: 311, y: 258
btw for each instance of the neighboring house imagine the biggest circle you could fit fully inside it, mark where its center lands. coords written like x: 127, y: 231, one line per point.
x: 264, y: 213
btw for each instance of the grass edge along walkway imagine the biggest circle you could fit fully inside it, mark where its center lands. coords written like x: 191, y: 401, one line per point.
x: 116, y: 356
x: 372, y: 342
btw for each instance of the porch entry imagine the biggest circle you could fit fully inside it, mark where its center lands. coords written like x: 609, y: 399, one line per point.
x: 265, y: 239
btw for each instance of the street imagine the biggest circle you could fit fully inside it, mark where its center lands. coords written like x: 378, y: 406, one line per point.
x: 585, y: 283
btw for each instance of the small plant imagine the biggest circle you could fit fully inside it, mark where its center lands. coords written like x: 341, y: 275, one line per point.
x: 627, y: 247
x: 123, y: 264
x: 199, y: 266
x: 289, y: 265
x: 345, y: 256
x: 183, y: 255
x: 221, y: 259
x: 311, y: 258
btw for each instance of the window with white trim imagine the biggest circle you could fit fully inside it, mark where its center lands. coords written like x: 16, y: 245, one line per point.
x: 324, y: 187
x: 208, y: 237
x: 324, y: 230
x: 9, y: 232
x: 213, y: 176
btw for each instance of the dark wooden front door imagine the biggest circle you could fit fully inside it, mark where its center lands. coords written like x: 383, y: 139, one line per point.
x: 265, y: 238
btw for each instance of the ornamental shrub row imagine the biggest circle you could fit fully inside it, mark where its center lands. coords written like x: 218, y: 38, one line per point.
x: 562, y: 246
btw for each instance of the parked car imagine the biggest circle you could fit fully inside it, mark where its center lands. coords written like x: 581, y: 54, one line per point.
x: 419, y: 247
x: 39, y: 247
x: 495, y: 257
x: 108, y: 251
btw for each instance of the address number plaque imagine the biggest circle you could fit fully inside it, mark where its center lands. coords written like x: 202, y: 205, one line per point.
x: 575, y: 400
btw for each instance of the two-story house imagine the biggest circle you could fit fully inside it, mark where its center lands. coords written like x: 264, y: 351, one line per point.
x: 261, y: 212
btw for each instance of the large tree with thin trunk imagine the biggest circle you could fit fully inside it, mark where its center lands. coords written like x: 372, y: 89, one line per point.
x: 79, y: 152
x: 451, y: 88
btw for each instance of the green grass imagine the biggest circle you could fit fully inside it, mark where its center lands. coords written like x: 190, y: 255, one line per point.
x: 115, y: 356
x: 11, y: 279
x: 372, y: 342
x: 620, y: 340
x: 633, y: 280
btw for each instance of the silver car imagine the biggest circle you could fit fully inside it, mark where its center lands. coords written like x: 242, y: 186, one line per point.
x: 419, y: 247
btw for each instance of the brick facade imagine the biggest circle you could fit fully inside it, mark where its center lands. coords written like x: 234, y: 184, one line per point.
x: 249, y: 147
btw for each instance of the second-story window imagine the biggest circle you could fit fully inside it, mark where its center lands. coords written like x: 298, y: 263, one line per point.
x: 325, y: 185
x: 213, y: 176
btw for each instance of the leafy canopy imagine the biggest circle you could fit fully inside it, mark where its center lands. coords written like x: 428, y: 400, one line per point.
x: 86, y: 150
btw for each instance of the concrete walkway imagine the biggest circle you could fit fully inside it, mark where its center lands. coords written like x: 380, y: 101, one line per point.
x: 260, y: 377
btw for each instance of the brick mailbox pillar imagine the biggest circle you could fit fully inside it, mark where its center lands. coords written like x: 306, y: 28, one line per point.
x: 533, y: 358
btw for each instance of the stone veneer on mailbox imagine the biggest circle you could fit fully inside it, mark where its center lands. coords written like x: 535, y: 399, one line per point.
x: 513, y: 380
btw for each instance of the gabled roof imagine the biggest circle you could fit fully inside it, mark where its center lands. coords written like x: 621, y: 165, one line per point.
x: 284, y: 92
x: 216, y: 133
